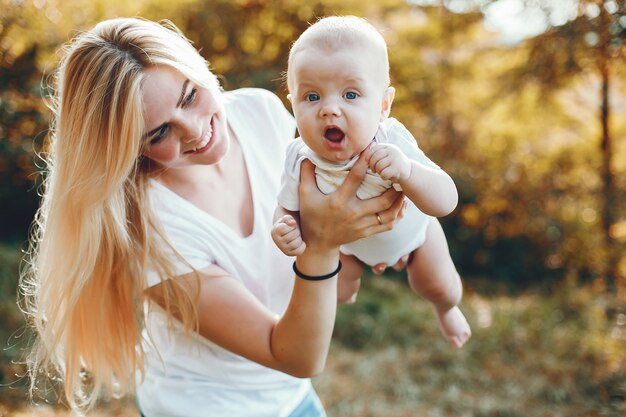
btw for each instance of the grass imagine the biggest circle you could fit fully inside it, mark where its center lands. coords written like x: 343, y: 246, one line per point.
x: 531, y: 355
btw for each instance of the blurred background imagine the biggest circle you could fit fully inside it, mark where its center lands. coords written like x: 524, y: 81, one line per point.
x: 523, y: 102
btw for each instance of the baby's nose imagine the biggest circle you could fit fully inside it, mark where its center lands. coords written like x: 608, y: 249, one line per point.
x: 330, y: 109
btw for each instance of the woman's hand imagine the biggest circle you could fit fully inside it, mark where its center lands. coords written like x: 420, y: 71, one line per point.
x: 338, y: 218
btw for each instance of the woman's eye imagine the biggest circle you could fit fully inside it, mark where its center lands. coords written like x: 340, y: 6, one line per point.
x: 312, y: 97
x: 351, y: 95
x: 190, y: 97
x: 160, y: 135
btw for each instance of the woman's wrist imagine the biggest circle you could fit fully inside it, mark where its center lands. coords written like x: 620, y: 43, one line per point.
x: 323, y: 277
x: 317, y: 262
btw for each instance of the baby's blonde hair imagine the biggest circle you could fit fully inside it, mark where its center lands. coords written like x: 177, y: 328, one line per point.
x: 333, y: 33
x: 95, y: 235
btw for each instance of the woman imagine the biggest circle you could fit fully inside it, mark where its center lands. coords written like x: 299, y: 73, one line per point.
x: 151, y: 251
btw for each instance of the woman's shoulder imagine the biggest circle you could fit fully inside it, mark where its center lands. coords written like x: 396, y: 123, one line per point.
x: 259, y: 109
x: 252, y: 97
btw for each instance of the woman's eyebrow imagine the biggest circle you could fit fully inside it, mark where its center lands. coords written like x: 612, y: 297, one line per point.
x: 180, y: 100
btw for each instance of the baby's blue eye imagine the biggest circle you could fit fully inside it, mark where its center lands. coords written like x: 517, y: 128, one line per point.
x: 351, y: 95
x: 312, y: 97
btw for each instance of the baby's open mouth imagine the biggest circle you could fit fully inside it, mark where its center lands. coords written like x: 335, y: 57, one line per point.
x: 334, y: 134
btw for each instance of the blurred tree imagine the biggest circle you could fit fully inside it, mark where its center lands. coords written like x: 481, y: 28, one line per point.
x: 30, y: 34
x: 594, y: 42
x: 524, y: 160
x: 443, y: 66
x: 21, y: 117
x: 255, y: 53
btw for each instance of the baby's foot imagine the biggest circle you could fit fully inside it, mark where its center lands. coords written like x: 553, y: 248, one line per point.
x: 454, y: 326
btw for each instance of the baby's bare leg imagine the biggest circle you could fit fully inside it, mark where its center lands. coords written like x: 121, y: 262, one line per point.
x: 349, y: 279
x: 432, y: 274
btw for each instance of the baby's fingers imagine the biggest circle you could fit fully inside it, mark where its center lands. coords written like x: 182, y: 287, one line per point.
x: 288, y: 220
x: 282, y: 229
x: 292, y: 243
x: 388, y: 173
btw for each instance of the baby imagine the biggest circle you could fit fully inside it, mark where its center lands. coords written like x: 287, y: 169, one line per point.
x: 339, y: 88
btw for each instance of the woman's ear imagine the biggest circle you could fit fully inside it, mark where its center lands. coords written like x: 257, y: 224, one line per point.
x: 388, y: 96
x: 289, y: 97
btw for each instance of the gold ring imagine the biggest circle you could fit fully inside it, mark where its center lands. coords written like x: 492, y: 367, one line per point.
x: 378, y: 218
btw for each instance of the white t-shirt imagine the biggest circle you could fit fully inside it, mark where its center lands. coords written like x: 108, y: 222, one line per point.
x: 187, y: 374
x: 409, y: 232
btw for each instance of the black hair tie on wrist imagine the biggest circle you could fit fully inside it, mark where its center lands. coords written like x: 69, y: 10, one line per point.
x: 316, y: 277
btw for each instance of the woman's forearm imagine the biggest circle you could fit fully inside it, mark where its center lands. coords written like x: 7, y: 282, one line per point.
x: 301, y: 338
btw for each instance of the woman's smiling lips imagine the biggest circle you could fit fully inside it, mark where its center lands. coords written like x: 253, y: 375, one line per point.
x: 203, y: 145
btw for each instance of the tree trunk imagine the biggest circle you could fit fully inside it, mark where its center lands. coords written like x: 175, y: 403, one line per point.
x: 609, y: 201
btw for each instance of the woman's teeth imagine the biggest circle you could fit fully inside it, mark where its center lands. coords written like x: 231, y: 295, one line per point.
x: 205, y: 140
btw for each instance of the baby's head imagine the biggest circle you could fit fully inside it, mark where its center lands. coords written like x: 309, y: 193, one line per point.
x: 338, y: 81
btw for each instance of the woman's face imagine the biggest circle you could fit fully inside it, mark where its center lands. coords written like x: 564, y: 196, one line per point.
x: 186, y: 124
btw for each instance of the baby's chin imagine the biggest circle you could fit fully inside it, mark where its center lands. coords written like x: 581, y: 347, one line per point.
x: 340, y: 157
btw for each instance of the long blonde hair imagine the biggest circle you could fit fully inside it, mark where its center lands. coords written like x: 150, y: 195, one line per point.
x: 93, y: 239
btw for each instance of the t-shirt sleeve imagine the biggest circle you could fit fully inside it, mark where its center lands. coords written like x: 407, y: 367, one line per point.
x: 400, y: 136
x: 184, y: 231
x: 288, y: 196
x: 285, y: 123
x: 264, y: 109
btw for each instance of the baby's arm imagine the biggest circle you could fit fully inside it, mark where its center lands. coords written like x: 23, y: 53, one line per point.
x: 286, y: 232
x: 432, y: 190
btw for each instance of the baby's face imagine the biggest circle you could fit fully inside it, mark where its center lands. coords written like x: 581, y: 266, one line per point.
x: 338, y: 99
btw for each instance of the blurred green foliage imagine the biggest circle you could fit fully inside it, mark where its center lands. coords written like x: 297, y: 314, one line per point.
x: 519, y: 129
x: 516, y: 126
x: 530, y: 355
x: 12, y: 329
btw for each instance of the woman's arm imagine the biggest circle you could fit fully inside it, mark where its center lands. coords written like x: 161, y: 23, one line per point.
x: 297, y: 342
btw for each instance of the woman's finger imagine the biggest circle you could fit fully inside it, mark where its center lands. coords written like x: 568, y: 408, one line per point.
x: 397, y: 207
x: 390, y: 205
x: 356, y: 175
x: 307, y: 177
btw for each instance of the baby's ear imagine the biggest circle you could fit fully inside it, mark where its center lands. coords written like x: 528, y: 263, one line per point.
x: 388, y: 96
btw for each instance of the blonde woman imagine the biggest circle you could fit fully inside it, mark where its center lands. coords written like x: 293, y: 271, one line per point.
x: 151, y: 264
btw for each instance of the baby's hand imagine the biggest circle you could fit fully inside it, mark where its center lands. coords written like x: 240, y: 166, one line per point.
x: 389, y: 162
x: 286, y: 234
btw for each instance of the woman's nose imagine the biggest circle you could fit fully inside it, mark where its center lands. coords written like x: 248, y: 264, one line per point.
x: 191, y: 130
